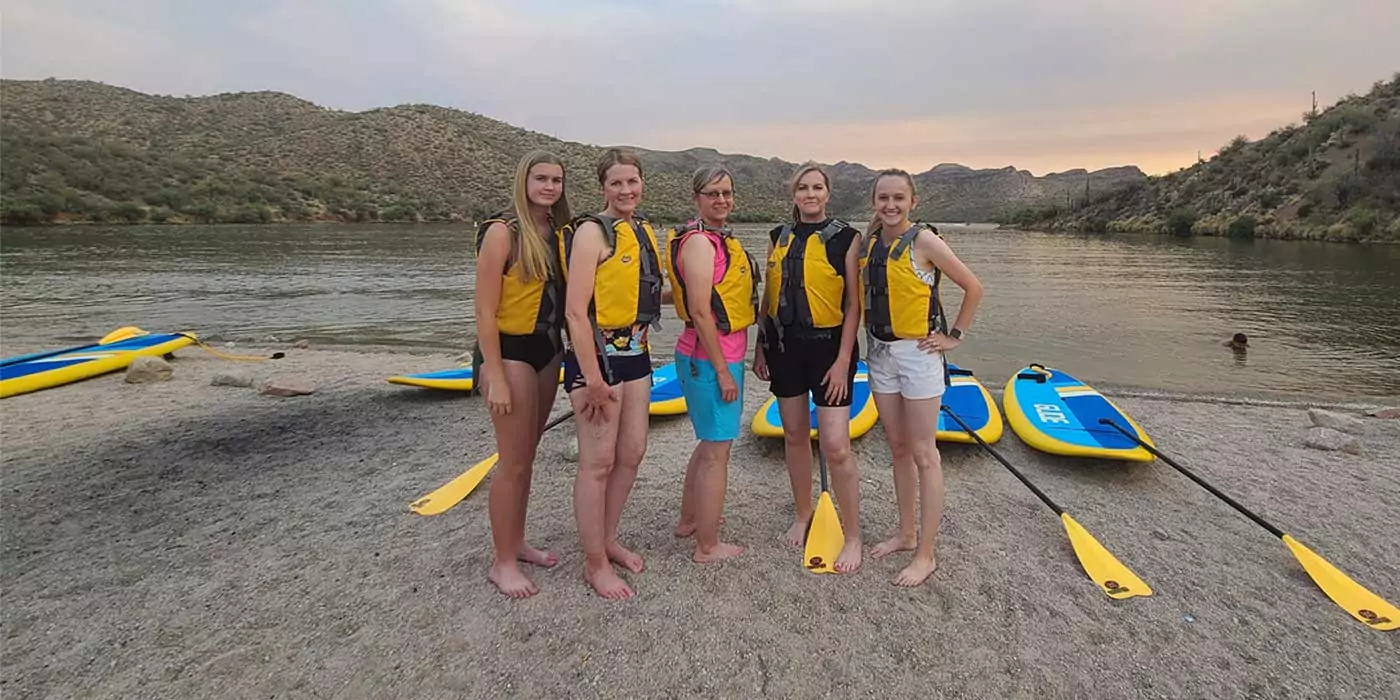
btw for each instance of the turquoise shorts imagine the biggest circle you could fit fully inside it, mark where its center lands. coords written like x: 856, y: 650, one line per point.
x: 713, y: 419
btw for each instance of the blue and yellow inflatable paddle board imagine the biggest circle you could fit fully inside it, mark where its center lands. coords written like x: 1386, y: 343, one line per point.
x: 666, y: 398
x: 1056, y: 413
x: 768, y: 421
x: 972, y: 402
x: 458, y: 379
x: 42, y: 370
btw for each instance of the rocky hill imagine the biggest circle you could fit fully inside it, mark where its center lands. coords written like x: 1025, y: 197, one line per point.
x: 1335, y: 176
x: 84, y: 151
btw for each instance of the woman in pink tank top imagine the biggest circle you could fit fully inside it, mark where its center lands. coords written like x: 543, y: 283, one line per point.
x: 710, y: 277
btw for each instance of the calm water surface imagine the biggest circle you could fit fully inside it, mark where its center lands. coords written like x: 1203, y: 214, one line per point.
x: 1147, y: 312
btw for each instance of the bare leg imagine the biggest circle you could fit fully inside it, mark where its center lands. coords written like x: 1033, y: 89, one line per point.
x: 510, y: 485
x: 921, y: 423
x: 892, y: 417
x: 631, y: 447
x: 834, y: 435
x: 797, y: 450
x: 686, y: 525
x: 547, y: 385
x: 709, y: 501
x: 596, y: 450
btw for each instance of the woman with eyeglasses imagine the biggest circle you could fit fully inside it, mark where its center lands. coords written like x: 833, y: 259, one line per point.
x: 807, y: 346
x: 614, y: 285
x: 714, y: 288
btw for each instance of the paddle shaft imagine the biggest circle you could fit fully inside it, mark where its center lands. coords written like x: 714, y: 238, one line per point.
x: 1216, y: 492
x: 1004, y: 463
x: 822, y: 458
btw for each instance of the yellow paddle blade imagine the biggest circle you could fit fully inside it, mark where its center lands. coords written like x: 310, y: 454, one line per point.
x: 1362, y: 604
x: 824, y: 538
x: 121, y: 334
x: 1116, y: 580
x: 452, y: 493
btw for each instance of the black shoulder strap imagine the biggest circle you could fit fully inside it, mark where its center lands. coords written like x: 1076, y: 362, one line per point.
x: 906, y: 239
x: 504, y: 217
x: 785, y: 235
x: 829, y: 231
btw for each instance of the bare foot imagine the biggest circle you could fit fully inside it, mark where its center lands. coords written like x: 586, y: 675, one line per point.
x: 687, y: 528
x: 607, y: 583
x: 720, y: 552
x: 917, y: 571
x: 849, y: 559
x: 625, y: 557
x: 512, y: 583
x: 898, y: 543
x: 796, y: 535
x: 538, y: 557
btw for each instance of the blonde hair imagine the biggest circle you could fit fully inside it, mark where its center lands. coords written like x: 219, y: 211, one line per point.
x: 802, y: 170
x: 535, y: 256
x: 888, y: 172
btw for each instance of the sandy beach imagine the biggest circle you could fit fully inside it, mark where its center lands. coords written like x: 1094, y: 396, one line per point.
x: 184, y: 540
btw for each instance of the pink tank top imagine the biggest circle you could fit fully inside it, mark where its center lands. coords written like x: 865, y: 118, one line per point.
x: 734, y: 346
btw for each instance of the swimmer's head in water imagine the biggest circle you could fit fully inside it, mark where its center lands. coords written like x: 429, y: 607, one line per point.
x: 1240, y: 339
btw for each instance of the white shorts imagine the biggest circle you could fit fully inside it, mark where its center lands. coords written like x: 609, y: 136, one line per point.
x: 902, y: 368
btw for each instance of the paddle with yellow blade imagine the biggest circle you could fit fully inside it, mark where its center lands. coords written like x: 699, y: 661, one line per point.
x: 452, y: 493
x: 1116, y: 580
x: 824, y: 534
x: 1367, y: 607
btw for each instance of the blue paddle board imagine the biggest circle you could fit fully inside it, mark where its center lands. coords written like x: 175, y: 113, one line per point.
x: 768, y: 422
x: 971, y: 401
x: 666, y: 399
x: 1056, y: 413
x: 34, y: 371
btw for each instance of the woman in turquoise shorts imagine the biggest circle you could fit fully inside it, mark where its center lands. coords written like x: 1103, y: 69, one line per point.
x: 715, y: 290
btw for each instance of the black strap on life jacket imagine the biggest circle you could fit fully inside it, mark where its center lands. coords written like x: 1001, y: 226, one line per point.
x: 879, y: 320
x: 551, y: 312
x: 722, y: 321
x: 794, y: 311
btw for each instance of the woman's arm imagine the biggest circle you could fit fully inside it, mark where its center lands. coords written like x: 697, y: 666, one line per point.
x: 698, y: 262
x: 490, y: 272
x: 937, y: 252
x: 850, y: 325
x: 588, y: 250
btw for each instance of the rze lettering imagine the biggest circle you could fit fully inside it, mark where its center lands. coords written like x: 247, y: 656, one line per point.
x: 1050, y: 413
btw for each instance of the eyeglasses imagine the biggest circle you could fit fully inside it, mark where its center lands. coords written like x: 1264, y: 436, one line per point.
x: 717, y: 194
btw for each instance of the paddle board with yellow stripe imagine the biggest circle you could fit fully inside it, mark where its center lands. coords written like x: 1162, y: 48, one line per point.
x: 25, y: 373
x: 666, y: 398
x: 974, y: 404
x: 768, y: 422
x: 1056, y: 413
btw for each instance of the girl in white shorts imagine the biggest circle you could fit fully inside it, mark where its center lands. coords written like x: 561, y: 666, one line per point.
x: 901, y: 266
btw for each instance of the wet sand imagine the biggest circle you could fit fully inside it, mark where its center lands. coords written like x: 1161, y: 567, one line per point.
x: 189, y: 541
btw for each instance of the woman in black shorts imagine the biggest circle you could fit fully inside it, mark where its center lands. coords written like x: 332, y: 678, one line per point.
x: 614, y: 278
x: 519, y: 314
x: 811, y: 307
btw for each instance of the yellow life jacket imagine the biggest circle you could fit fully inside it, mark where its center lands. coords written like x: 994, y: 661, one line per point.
x: 898, y: 304
x: 804, y: 290
x: 734, y: 299
x: 526, y: 306
x: 627, y: 285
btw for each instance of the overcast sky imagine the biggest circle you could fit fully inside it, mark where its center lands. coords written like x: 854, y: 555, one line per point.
x: 1044, y: 86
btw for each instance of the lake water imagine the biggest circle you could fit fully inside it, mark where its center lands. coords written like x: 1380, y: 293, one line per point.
x: 1117, y: 311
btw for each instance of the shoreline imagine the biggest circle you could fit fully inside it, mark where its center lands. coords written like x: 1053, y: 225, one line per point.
x: 188, y: 540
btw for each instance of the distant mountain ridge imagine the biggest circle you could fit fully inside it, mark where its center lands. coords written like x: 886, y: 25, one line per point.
x: 1335, y: 176
x: 87, y: 151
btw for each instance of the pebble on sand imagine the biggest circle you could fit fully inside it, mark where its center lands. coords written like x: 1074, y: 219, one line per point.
x: 1321, y: 438
x: 1336, y: 421
x: 286, y: 386
x: 148, y: 368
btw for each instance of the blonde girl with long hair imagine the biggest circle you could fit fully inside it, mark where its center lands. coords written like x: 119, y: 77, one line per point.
x: 519, y: 314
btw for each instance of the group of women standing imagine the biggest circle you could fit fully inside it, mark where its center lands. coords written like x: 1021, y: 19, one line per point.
x: 588, y: 288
